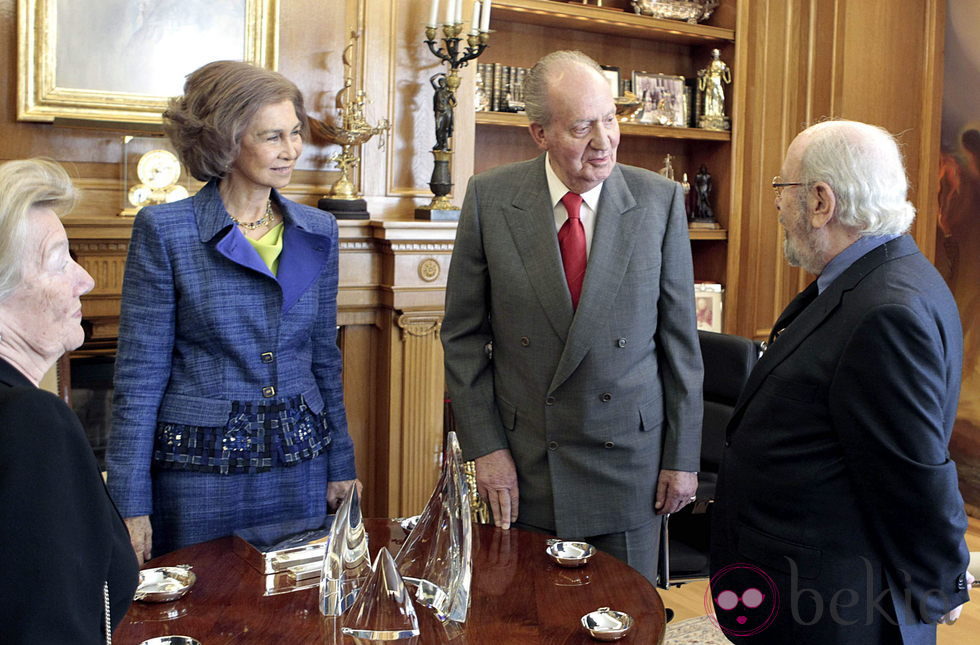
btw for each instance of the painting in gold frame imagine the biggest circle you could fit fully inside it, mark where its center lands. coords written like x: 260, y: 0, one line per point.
x: 117, y: 60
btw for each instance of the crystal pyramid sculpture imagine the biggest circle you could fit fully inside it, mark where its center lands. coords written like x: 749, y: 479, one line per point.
x: 347, y: 563
x: 383, y: 610
x: 436, y: 558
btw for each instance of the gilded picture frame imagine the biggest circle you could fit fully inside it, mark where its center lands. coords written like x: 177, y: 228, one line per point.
x: 121, y: 61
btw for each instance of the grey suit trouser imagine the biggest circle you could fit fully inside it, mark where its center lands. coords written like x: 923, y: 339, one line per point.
x: 638, y: 547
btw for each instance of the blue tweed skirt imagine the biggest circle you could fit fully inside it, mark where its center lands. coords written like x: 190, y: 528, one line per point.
x: 267, y: 464
x: 191, y: 507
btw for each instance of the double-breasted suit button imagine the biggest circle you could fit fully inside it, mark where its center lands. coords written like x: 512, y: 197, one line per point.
x: 268, y: 391
x: 552, y: 445
x: 609, y: 444
x: 621, y: 342
x: 525, y: 341
x: 605, y: 397
x: 267, y: 357
x: 549, y: 401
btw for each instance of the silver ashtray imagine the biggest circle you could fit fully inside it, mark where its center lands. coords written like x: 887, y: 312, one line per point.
x: 605, y: 624
x: 570, y: 554
x: 171, y: 640
x: 164, y: 584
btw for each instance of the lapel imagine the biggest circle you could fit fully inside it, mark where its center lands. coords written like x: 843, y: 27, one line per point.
x: 532, y: 225
x: 814, y: 315
x: 802, y: 300
x: 615, y: 236
x: 304, y: 250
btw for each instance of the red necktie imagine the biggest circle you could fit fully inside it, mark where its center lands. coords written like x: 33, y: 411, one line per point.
x: 571, y: 241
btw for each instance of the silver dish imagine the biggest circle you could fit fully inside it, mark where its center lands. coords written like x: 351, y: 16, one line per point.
x: 570, y: 554
x: 693, y: 11
x: 605, y: 624
x: 409, y: 523
x: 171, y: 640
x: 164, y: 584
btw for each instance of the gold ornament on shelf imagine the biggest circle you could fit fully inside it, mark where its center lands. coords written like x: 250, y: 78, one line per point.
x: 711, y: 88
x: 350, y: 129
x: 158, y: 172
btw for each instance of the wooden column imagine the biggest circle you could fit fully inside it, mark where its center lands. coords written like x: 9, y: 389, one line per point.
x: 414, y: 260
x: 414, y: 466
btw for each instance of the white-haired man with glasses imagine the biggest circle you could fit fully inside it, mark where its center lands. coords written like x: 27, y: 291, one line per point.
x: 839, y: 519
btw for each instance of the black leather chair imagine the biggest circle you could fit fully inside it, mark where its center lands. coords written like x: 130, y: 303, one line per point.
x: 728, y: 360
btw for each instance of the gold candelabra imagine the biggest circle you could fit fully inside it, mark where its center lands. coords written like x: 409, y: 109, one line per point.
x: 351, y: 128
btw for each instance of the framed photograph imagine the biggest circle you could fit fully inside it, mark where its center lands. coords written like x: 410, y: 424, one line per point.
x: 118, y: 60
x: 708, y: 305
x: 662, y: 97
x: 612, y: 77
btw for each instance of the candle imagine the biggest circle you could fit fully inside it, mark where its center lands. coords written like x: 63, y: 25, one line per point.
x: 450, y: 7
x: 475, y: 22
x: 485, y: 17
x: 459, y: 12
x: 434, y: 13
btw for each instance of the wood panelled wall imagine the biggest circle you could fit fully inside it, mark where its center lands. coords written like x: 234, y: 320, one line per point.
x: 801, y: 60
x: 809, y: 60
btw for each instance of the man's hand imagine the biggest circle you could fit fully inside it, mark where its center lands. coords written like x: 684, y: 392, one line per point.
x: 141, y: 537
x: 337, y: 491
x: 496, y: 481
x: 954, y: 613
x: 675, y: 488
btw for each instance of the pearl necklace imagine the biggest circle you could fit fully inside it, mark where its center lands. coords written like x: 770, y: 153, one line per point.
x: 268, y: 218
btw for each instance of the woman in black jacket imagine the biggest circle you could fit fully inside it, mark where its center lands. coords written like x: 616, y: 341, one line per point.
x: 68, y: 568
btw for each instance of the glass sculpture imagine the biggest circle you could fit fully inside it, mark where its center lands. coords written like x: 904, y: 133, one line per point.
x: 347, y: 563
x: 436, y: 558
x: 383, y: 609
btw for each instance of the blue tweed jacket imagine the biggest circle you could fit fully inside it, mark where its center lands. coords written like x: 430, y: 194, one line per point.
x: 205, y: 323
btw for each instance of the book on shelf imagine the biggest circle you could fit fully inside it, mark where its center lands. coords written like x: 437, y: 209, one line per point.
x: 502, y: 86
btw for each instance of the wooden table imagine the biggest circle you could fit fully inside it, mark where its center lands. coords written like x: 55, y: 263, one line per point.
x: 517, y: 597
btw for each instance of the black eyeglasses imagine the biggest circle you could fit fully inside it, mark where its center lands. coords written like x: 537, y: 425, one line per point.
x: 778, y: 184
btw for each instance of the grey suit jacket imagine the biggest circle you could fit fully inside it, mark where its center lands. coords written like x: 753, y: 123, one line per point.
x: 591, y: 403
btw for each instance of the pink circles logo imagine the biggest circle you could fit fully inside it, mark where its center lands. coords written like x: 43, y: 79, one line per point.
x: 742, y: 600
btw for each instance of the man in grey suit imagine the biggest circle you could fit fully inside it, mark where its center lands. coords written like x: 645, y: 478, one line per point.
x: 572, y: 357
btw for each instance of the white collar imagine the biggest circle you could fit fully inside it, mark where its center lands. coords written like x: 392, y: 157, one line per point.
x: 557, y: 189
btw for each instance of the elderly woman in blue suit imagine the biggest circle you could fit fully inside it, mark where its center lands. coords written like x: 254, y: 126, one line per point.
x: 228, y: 408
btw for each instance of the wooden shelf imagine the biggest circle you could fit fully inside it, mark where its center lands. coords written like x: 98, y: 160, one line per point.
x: 707, y: 233
x: 600, y: 20
x: 518, y: 120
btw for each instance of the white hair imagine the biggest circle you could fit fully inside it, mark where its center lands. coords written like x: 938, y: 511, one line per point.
x: 863, y: 165
x: 26, y: 185
x: 538, y: 80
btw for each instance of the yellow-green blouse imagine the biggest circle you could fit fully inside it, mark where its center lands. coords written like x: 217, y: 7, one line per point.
x: 269, y: 247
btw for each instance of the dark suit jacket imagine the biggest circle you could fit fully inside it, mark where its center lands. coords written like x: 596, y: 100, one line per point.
x: 836, y: 478
x: 60, y: 535
x: 593, y: 402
